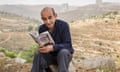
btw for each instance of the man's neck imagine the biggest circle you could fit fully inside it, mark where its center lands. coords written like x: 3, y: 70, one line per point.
x: 51, y: 29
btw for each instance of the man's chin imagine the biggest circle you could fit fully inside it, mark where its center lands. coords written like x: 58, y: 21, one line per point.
x: 49, y: 27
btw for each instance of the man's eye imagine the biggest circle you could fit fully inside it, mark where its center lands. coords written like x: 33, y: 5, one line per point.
x: 43, y: 18
x: 50, y: 17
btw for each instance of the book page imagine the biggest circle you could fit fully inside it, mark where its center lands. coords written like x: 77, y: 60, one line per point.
x: 43, y: 39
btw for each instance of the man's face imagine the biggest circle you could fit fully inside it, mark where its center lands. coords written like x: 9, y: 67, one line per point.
x: 48, y: 18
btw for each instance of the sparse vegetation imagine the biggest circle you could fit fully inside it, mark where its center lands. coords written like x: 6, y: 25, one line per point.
x: 30, y: 28
x: 95, y: 36
x: 27, y: 54
x: 8, y: 53
x: 110, y: 15
x: 16, y: 23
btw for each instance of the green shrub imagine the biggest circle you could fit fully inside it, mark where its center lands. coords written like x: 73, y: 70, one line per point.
x: 2, y: 49
x: 8, y: 53
x: 25, y: 54
x: 29, y: 53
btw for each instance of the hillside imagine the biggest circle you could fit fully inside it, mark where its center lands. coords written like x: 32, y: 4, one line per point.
x: 13, y: 22
x: 14, y: 31
x: 95, y: 36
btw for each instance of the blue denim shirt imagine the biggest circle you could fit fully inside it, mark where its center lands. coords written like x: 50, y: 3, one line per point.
x: 61, y: 36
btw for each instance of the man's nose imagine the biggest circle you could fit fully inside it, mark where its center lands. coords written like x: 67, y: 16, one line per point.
x: 48, y: 21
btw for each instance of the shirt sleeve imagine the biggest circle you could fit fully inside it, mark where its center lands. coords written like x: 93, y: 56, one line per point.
x: 66, y: 39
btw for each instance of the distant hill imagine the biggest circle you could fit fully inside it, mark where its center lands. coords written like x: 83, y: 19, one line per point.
x: 33, y: 11
x: 90, y: 10
x: 68, y: 13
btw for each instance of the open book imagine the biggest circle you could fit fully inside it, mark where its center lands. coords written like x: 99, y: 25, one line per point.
x: 43, y: 38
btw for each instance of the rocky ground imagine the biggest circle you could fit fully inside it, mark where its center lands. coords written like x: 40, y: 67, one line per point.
x: 97, y: 37
x: 96, y: 42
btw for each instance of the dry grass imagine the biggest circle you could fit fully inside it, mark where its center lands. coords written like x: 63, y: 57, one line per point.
x: 15, y: 40
x: 94, y: 37
x: 90, y: 37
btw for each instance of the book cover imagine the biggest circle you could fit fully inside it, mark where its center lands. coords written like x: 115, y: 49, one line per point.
x: 43, y: 38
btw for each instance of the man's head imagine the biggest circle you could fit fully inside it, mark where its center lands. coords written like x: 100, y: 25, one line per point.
x: 48, y: 16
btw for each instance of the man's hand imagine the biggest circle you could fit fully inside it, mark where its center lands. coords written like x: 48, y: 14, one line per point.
x: 46, y: 49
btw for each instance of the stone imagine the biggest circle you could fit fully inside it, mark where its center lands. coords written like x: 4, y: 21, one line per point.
x: 2, y: 54
x: 99, y: 63
x: 20, y: 60
x: 71, y: 67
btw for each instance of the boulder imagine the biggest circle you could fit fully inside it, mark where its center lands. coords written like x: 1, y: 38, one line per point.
x: 99, y: 63
x: 71, y: 67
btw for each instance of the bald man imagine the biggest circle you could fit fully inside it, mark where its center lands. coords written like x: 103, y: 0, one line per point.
x: 61, y: 52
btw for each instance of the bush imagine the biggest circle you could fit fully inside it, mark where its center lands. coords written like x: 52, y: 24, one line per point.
x: 30, y: 28
x: 29, y: 53
x: 8, y: 53
x: 25, y: 54
x: 2, y: 49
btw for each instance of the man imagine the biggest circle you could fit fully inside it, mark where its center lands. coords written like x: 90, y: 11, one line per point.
x: 59, y: 54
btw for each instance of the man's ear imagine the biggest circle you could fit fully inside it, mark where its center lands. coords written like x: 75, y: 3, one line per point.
x: 55, y: 15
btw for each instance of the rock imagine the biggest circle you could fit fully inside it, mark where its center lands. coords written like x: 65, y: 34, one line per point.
x: 71, y: 67
x: 20, y: 60
x: 2, y: 54
x: 100, y: 63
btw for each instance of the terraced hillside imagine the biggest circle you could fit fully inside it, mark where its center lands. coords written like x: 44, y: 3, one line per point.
x: 97, y: 36
x: 14, y: 31
x: 12, y: 22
